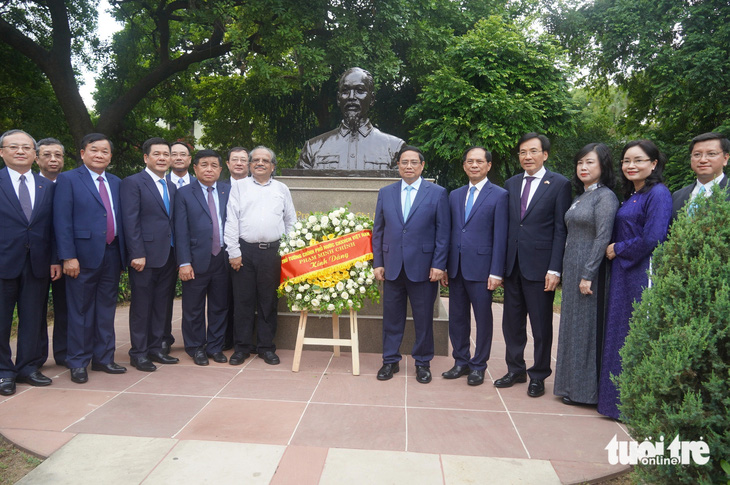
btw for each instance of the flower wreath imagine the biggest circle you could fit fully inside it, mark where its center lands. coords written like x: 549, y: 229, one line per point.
x: 336, y: 287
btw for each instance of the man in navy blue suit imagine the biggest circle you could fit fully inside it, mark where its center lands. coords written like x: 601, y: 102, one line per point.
x: 147, y: 211
x: 200, y: 214
x: 477, y: 251
x: 50, y: 163
x: 538, y: 200
x: 26, y: 259
x: 410, y: 248
x: 90, y: 239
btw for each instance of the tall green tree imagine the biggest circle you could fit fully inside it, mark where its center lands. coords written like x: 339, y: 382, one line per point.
x: 670, y: 57
x: 498, y: 81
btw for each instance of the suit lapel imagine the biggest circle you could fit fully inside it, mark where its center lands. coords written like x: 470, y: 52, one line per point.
x: 396, y: 201
x: 198, y: 194
x: 152, y: 187
x: 222, y: 201
x: 6, y: 186
x: 541, y: 190
x: 421, y: 194
x: 483, y: 194
x: 40, y: 194
x: 85, y: 177
x: 514, y: 200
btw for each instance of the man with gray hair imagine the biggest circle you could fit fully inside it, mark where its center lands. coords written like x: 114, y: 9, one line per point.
x: 260, y: 210
x: 27, y: 259
x: 356, y: 144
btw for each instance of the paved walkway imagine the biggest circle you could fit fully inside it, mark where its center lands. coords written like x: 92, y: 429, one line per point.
x: 265, y: 424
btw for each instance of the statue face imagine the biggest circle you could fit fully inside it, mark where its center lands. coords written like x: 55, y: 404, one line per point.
x: 354, y: 98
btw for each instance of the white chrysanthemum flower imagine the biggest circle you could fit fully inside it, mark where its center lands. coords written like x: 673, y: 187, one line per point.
x: 333, y: 290
x: 359, y: 227
x: 349, y: 303
x: 347, y: 231
x: 315, y: 303
x: 340, y: 286
x: 352, y: 224
x: 317, y: 227
x: 308, y: 236
x: 351, y: 291
x: 326, y: 297
x: 337, y: 229
x: 298, y: 226
x: 288, y: 288
x: 345, y: 295
x: 307, y: 297
x: 358, y: 264
x: 312, y: 219
x: 330, y: 307
x: 335, y: 221
x: 350, y: 216
x: 353, y: 273
x: 360, y: 281
x: 295, y: 308
x: 299, y: 296
x: 292, y: 234
x: 324, y: 220
x: 300, y: 243
x: 362, y: 290
x: 369, y: 281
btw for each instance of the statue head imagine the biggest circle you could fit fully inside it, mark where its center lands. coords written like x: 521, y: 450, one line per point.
x: 355, y: 96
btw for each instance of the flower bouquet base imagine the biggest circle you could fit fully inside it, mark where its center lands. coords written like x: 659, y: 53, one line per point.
x: 335, y: 341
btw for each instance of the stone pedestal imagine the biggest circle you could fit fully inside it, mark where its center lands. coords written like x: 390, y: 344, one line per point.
x: 312, y: 193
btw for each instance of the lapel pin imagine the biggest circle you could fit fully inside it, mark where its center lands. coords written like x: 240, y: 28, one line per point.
x: 547, y: 182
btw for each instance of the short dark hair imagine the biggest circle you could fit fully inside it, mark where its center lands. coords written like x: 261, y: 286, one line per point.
x: 180, y: 142
x: 604, y: 161
x: 271, y: 152
x: 487, y: 153
x: 410, y: 148
x: 206, y: 153
x: 156, y: 140
x: 369, y: 82
x: 49, y: 141
x: 93, y: 138
x: 544, y: 141
x: 236, y: 149
x: 14, y: 132
x: 724, y: 142
x: 651, y: 150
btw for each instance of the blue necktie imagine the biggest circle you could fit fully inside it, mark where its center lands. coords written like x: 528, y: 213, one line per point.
x: 469, y: 202
x: 407, y: 205
x: 165, y: 197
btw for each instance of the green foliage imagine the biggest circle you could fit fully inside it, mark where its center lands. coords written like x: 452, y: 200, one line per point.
x: 496, y: 84
x: 670, y: 57
x: 676, y: 360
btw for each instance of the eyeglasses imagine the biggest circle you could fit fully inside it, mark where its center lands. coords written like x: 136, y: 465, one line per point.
x: 406, y: 163
x: 709, y: 155
x: 236, y: 160
x: 534, y: 152
x: 475, y: 162
x: 15, y: 148
x: 637, y: 162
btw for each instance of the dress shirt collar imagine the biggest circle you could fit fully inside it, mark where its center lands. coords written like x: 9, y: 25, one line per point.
x: 175, y: 179
x: 95, y: 175
x: 15, y: 176
x: 479, y: 185
x: 538, y: 175
x: 365, y: 129
x: 268, y: 182
x: 156, y: 178
x: 712, y: 182
x: 416, y: 185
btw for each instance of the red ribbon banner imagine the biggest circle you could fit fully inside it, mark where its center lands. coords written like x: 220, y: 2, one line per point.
x: 323, y: 255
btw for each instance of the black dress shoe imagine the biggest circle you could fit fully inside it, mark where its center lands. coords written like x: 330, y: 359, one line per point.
x: 161, y: 358
x: 165, y: 347
x: 510, y: 379
x: 7, y: 386
x: 34, y: 379
x: 200, y: 358
x: 423, y: 374
x: 270, y: 357
x: 219, y: 357
x: 111, y: 368
x: 386, y: 372
x: 536, y: 388
x: 238, y: 358
x: 476, y: 378
x: 79, y: 375
x: 143, y: 363
x: 456, y: 372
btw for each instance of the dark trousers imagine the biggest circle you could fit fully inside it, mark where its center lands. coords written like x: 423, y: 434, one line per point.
x: 422, y: 295
x: 29, y: 293
x: 151, y: 295
x: 254, y: 288
x: 213, y: 286
x: 523, y: 297
x: 60, y: 324
x: 463, y: 296
x: 92, y: 303
x: 230, y: 338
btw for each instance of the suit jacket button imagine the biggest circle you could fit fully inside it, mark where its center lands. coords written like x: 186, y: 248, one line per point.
x: 404, y: 231
x: 463, y: 230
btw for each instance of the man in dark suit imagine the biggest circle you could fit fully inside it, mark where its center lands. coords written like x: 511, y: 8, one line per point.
x: 200, y: 214
x: 477, y: 251
x: 410, y: 248
x: 147, y: 211
x: 179, y: 163
x: 538, y: 200
x: 709, y: 154
x: 26, y: 259
x: 50, y: 163
x: 90, y: 239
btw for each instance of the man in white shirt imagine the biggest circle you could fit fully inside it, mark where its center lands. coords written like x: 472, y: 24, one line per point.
x: 709, y: 154
x: 260, y: 210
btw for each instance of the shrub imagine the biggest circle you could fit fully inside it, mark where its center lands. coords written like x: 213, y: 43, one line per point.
x: 676, y: 360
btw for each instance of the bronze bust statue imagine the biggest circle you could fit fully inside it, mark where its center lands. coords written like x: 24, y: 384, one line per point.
x: 356, y: 145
